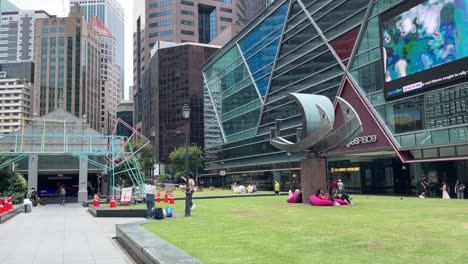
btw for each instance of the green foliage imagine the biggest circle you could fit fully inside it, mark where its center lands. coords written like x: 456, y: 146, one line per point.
x: 196, y: 159
x: 163, y: 178
x: 144, y: 156
x: 12, y: 184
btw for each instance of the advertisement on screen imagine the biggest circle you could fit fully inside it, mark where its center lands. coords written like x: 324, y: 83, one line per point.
x: 424, y: 44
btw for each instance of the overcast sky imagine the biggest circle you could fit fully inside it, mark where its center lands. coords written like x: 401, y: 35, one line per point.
x: 61, y: 8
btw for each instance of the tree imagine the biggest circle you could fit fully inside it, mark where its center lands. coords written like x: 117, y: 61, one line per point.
x: 163, y: 178
x: 177, y: 157
x: 144, y: 156
x: 12, y: 184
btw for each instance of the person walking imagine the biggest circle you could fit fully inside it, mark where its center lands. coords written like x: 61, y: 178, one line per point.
x: 460, y: 190
x: 192, y: 190
x: 444, y: 189
x: 277, y: 188
x: 424, y: 185
x: 62, y: 194
x: 341, y: 187
x: 33, y: 197
x: 150, y: 189
x: 335, y: 187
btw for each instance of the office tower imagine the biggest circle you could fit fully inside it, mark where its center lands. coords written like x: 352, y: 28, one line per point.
x: 140, y: 59
x: 187, y: 21
x: 174, y: 78
x: 125, y: 112
x: 67, y: 55
x: 111, y: 13
x: 247, y: 10
x: 15, y: 102
x: 17, y: 35
x: 110, y: 76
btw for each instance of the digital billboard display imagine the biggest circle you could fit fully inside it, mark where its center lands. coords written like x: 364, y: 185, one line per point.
x: 424, y: 43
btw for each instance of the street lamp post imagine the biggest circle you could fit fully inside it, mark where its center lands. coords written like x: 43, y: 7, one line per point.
x: 153, y: 136
x: 188, y: 198
x: 290, y: 176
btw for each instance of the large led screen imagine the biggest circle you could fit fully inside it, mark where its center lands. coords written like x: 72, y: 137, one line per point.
x: 424, y: 44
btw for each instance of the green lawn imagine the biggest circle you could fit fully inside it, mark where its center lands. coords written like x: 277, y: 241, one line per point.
x: 268, y: 230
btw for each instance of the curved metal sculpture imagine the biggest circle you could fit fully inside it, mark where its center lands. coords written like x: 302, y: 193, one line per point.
x: 318, y: 117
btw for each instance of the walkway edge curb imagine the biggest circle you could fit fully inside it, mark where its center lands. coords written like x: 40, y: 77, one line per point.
x: 146, y: 247
x: 10, y: 214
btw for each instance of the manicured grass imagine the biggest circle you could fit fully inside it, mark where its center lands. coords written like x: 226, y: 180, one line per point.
x: 375, y: 230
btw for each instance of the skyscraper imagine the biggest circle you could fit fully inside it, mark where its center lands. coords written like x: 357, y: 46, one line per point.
x: 110, y: 77
x: 67, y: 58
x: 15, y: 102
x: 187, y: 21
x: 111, y: 13
x: 17, y: 35
x: 247, y: 10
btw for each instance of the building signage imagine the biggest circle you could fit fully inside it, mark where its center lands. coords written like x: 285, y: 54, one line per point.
x: 349, y: 169
x: 362, y: 140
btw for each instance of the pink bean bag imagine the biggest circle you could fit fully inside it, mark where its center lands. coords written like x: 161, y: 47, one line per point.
x: 314, y: 200
x: 341, y: 202
x: 293, y: 198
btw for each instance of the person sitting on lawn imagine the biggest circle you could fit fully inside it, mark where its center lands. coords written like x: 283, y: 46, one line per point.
x: 320, y: 194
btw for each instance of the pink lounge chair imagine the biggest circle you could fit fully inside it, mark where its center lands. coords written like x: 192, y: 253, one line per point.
x: 293, y: 198
x: 314, y: 200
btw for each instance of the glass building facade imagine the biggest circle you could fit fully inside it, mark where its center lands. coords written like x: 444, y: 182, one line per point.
x: 111, y: 14
x: 328, y: 48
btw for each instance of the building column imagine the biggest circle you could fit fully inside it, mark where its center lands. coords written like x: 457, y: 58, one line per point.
x: 32, y: 171
x: 313, y: 177
x: 83, y: 180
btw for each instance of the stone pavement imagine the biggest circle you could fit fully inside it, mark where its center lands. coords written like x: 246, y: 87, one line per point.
x: 55, y: 234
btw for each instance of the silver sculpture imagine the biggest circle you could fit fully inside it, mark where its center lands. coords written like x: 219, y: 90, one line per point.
x: 318, y: 117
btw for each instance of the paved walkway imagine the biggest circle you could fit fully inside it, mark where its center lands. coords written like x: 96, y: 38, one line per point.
x: 54, y: 234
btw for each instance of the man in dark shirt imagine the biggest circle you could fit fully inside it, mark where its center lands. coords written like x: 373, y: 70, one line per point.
x: 424, y: 185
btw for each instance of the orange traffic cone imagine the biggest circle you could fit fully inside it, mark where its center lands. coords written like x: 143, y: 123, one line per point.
x: 112, y: 203
x: 96, y: 201
x: 172, y: 199
x: 10, y: 203
x: 158, y: 199
x: 165, y: 198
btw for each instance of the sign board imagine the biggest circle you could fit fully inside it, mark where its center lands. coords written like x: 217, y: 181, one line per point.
x: 126, y: 196
x: 156, y: 170
x: 362, y: 140
x: 222, y: 173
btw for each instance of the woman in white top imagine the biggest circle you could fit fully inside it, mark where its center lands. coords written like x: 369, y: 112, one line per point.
x: 445, y: 194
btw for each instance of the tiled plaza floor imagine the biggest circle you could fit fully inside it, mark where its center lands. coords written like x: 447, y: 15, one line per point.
x: 54, y: 234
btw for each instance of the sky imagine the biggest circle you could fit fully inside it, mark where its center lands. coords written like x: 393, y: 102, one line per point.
x: 61, y: 8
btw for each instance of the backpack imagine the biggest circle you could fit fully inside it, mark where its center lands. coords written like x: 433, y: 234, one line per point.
x: 158, y: 213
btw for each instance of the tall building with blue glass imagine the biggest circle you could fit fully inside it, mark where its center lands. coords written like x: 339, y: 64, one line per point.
x: 111, y: 13
x: 403, y: 74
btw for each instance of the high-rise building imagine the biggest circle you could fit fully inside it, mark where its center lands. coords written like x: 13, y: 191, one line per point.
x: 247, y: 10
x: 110, y: 77
x: 20, y: 70
x: 17, y: 35
x: 67, y: 55
x: 111, y: 13
x: 140, y: 59
x: 125, y: 112
x: 174, y: 78
x: 15, y: 102
x: 187, y: 21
